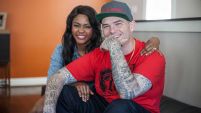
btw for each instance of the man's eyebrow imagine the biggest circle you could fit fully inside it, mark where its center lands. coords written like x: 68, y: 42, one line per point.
x: 117, y: 21
x: 104, y: 24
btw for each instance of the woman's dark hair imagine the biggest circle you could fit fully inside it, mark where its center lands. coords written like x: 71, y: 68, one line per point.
x: 68, y: 41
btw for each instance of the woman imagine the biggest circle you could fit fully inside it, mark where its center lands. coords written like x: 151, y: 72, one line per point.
x: 81, y: 36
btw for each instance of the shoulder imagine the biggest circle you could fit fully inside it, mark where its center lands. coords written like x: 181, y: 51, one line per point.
x: 57, y: 51
x: 154, y: 57
x: 58, y: 47
x: 139, y: 44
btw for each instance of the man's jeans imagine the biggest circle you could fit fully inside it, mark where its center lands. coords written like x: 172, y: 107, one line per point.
x: 70, y: 102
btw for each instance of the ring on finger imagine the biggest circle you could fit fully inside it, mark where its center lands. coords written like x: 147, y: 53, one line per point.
x: 154, y: 48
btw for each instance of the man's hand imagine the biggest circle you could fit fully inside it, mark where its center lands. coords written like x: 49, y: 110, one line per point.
x: 83, y: 90
x: 151, y: 46
x: 109, y: 42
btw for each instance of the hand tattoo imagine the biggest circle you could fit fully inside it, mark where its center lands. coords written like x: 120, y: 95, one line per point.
x: 106, y: 44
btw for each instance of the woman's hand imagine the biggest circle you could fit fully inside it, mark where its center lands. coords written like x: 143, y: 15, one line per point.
x: 151, y: 46
x: 83, y: 90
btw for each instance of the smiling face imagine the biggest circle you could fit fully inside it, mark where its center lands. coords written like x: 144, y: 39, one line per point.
x: 81, y: 29
x: 118, y: 28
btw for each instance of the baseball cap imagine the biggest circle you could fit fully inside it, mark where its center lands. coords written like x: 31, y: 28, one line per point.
x: 115, y: 8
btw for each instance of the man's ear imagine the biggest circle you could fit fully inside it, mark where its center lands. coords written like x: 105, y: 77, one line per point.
x: 132, y: 25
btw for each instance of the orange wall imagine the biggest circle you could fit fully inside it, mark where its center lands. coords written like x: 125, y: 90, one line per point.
x: 36, y: 26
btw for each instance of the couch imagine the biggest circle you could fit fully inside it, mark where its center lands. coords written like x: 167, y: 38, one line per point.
x: 169, y: 105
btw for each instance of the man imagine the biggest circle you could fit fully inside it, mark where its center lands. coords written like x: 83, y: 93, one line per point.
x: 125, y: 81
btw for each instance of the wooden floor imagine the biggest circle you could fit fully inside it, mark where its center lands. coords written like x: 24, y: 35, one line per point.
x: 19, y: 100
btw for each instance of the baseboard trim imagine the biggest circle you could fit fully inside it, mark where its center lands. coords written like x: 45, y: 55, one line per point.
x: 2, y: 82
x: 31, y: 81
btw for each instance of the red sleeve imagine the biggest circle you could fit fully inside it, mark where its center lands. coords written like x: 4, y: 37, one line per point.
x: 82, y: 68
x: 152, y: 67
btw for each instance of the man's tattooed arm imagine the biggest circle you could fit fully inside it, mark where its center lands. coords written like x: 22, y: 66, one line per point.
x: 129, y: 85
x: 54, y: 87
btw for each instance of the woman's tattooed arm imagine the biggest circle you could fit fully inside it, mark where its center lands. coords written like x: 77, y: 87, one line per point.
x: 54, y: 87
x: 129, y: 85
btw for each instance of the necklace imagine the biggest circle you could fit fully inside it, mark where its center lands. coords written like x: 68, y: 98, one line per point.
x: 131, y: 56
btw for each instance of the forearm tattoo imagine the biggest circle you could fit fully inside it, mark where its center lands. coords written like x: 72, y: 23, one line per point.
x: 127, y: 84
x: 54, y: 87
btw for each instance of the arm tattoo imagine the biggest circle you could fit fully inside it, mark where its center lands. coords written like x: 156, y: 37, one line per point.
x: 54, y: 87
x: 127, y: 84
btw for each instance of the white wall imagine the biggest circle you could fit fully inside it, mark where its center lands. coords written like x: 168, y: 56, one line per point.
x: 186, y: 8
x: 180, y: 8
x: 182, y: 50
